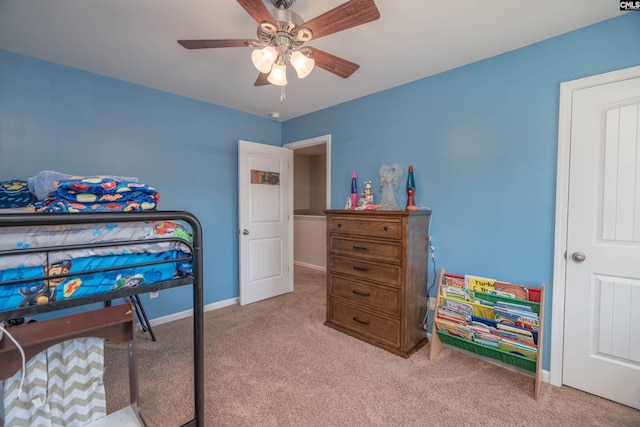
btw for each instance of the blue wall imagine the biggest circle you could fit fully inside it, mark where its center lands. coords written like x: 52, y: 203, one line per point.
x: 59, y: 118
x: 482, y: 139
x: 483, y: 143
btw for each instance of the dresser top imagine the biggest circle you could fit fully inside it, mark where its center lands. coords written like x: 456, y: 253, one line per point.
x: 377, y: 212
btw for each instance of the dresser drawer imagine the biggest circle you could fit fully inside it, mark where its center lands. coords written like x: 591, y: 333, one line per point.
x: 368, y: 270
x: 362, y: 322
x: 378, y: 298
x: 383, y: 251
x: 390, y: 228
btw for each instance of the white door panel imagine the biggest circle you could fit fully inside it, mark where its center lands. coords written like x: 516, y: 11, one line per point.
x: 602, y: 302
x: 265, y: 192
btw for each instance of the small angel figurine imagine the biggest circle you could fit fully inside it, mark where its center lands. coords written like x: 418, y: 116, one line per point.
x: 390, y: 177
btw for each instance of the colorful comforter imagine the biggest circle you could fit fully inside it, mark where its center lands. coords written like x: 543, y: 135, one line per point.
x: 99, y: 194
x: 126, y: 246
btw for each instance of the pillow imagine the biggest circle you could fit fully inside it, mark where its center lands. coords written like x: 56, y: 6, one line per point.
x: 15, y: 194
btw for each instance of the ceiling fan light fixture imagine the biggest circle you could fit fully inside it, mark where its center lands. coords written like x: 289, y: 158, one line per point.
x: 264, y: 58
x: 278, y: 75
x: 302, y: 64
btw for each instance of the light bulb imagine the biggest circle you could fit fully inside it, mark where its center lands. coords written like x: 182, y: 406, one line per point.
x: 264, y: 58
x: 278, y: 75
x: 302, y: 64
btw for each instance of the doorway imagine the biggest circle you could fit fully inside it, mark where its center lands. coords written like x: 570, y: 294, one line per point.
x: 312, y: 194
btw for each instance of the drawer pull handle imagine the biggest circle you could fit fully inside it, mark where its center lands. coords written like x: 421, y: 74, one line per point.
x: 339, y: 225
x: 364, y: 322
x: 385, y: 228
x: 361, y: 248
x: 355, y: 267
x: 364, y: 294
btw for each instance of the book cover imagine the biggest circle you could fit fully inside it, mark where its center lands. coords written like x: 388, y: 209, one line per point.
x: 458, y: 306
x: 518, y: 291
x: 454, y: 329
x: 453, y: 280
x: 514, y: 306
x: 503, y: 294
x: 524, y: 336
x: 452, y: 316
x: 480, y: 327
x: 457, y: 292
x: 517, y: 348
x: 444, y: 311
x: 518, y: 318
x: 480, y: 284
x: 490, y: 343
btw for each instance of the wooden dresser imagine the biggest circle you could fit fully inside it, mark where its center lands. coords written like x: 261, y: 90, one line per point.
x: 377, y: 276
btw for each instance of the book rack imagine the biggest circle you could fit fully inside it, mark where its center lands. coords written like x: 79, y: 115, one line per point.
x: 440, y: 338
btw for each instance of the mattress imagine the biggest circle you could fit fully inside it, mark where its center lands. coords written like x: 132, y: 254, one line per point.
x: 42, y: 264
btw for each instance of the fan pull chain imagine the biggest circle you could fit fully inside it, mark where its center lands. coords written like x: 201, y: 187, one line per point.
x: 283, y: 96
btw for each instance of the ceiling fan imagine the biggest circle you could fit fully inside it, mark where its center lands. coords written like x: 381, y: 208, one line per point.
x: 282, y: 35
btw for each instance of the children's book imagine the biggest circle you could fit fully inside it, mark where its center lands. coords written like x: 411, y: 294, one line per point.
x: 515, y: 291
x: 481, y: 327
x: 490, y: 343
x: 518, y: 348
x: 515, y: 333
x: 453, y: 280
x: 452, y: 316
x: 480, y: 284
x: 514, y: 329
x: 449, y: 312
x: 454, y: 329
x: 528, y: 320
x: 457, y: 292
x: 514, y: 306
x: 502, y: 294
x: 458, y: 306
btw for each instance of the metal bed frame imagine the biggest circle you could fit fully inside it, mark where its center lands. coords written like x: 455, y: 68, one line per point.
x: 194, y: 279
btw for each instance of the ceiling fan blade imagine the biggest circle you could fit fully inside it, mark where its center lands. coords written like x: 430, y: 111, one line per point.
x: 262, y: 80
x: 333, y: 64
x: 204, y: 44
x: 257, y: 10
x: 347, y: 15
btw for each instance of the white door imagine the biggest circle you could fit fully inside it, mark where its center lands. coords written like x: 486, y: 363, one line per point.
x: 602, y: 300
x: 265, y: 210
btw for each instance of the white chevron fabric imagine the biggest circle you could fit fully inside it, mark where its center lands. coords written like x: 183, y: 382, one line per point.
x: 63, y: 387
x: 31, y: 408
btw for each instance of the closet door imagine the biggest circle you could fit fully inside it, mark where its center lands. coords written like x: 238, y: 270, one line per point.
x: 602, y: 305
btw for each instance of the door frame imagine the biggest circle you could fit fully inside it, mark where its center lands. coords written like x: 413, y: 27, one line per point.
x: 242, y: 200
x: 562, y: 208
x: 319, y: 140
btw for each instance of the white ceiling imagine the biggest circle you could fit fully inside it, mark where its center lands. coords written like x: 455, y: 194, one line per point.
x: 135, y: 41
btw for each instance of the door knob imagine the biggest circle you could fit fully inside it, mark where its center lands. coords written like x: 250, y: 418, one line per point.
x: 245, y: 231
x: 578, y: 257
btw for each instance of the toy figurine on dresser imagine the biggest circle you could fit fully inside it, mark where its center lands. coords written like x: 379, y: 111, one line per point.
x: 366, y: 199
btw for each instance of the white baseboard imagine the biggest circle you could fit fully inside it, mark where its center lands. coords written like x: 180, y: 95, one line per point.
x: 212, y: 306
x: 312, y: 266
x: 189, y: 313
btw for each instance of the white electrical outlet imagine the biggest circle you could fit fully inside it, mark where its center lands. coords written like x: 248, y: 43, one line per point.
x: 154, y: 294
x: 431, y: 303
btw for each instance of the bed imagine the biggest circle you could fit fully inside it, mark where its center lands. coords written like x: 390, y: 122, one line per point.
x: 53, y: 261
